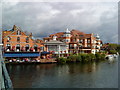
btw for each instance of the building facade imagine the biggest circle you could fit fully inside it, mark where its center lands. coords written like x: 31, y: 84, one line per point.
x: 17, y: 43
x: 56, y: 47
x: 77, y: 42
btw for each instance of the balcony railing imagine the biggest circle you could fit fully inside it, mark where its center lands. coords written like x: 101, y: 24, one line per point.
x: 79, y: 47
x: 6, y: 50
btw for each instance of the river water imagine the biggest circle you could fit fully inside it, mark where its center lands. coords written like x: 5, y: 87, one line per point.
x: 91, y: 75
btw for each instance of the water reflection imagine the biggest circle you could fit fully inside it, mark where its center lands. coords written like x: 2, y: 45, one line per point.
x: 68, y: 75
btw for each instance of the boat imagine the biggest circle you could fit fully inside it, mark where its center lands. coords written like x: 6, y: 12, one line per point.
x: 109, y: 57
x: 115, y: 55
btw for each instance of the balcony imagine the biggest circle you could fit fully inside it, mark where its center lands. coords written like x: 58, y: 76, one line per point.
x: 18, y: 50
x: 85, y: 47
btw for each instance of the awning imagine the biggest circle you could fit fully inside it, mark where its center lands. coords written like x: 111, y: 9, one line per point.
x: 45, y: 52
x: 19, y: 54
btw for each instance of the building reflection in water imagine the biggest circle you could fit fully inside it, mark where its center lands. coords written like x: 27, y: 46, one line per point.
x: 67, y: 75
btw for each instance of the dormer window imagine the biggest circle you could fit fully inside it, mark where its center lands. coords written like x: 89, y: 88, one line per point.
x: 18, y: 32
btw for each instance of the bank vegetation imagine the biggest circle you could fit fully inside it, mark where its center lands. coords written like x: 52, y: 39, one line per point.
x: 81, y: 58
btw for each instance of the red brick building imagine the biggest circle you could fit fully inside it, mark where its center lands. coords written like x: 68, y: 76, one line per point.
x: 77, y: 42
x: 17, y: 43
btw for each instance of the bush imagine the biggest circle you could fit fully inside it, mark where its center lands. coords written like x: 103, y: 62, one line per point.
x: 62, y: 60
x: 72, y: 58
x: 97, y: 56
x: 84, y: 57
x: 100, y: 56
x: 78, y: 58
x: 113, y: 52
x: 93, y: 57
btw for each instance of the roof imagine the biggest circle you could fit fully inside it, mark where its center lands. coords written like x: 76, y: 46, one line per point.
x: 74, y: 34
x: 57, y: 34
x: 54, y: 42
x: 13, y: 30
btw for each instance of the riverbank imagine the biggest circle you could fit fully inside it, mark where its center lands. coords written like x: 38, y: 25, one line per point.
x: 81, y: 58
x: 42, y: 61
x: 73, y: 58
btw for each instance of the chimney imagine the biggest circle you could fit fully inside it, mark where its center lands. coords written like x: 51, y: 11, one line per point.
x: 14, y: 27
x: 30, y: 35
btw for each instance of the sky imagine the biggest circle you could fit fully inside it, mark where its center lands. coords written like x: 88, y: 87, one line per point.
x: 45, y: 18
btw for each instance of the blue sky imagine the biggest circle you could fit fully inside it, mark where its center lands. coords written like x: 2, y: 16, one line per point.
x: 44, y: 18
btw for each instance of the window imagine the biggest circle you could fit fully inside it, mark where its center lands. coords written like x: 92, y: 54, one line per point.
x: 18, y: 32
x: 18, y: 39
x: 18, y: 45
x: 81, y: 35
x: 8, y: 47
x: 80, y: 45
x: 8, y: 39
x: 80, y: 41
x: 88, y: 41
x: 88, y: 45
x: 27, y: 40
x: 35, y: 47
x: 27, y: 47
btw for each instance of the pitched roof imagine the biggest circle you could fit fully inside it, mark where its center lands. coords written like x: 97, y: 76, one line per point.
x: 57, y: 34
x: 54, y: 42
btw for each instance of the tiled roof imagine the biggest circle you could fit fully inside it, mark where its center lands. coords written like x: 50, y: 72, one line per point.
x: 57, y: 34
x: 54, y: 42
x: 74, y: 34
x: 39, y: 41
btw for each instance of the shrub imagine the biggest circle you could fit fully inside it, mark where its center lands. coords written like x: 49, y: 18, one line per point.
x: 100, y: 56
x: 97, y: 56
x: 92, y: 56
x: 113, y: 52
x: 62, y: 60
x: 79, y: 58
x: 72, y: 58
x: 84, y: 57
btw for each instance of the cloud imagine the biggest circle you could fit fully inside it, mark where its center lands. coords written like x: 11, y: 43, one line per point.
x: 44, y: 18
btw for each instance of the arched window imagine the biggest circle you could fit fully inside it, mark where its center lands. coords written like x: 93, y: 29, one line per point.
x: 27, y: 39
x: 18, y: 32
x: 18, y: 39
x: 8, y: 47
x: 35, y: 47
x: 18, y: 47
x: 27, y: 47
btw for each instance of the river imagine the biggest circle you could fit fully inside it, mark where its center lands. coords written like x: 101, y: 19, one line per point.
x: 76, y: 75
